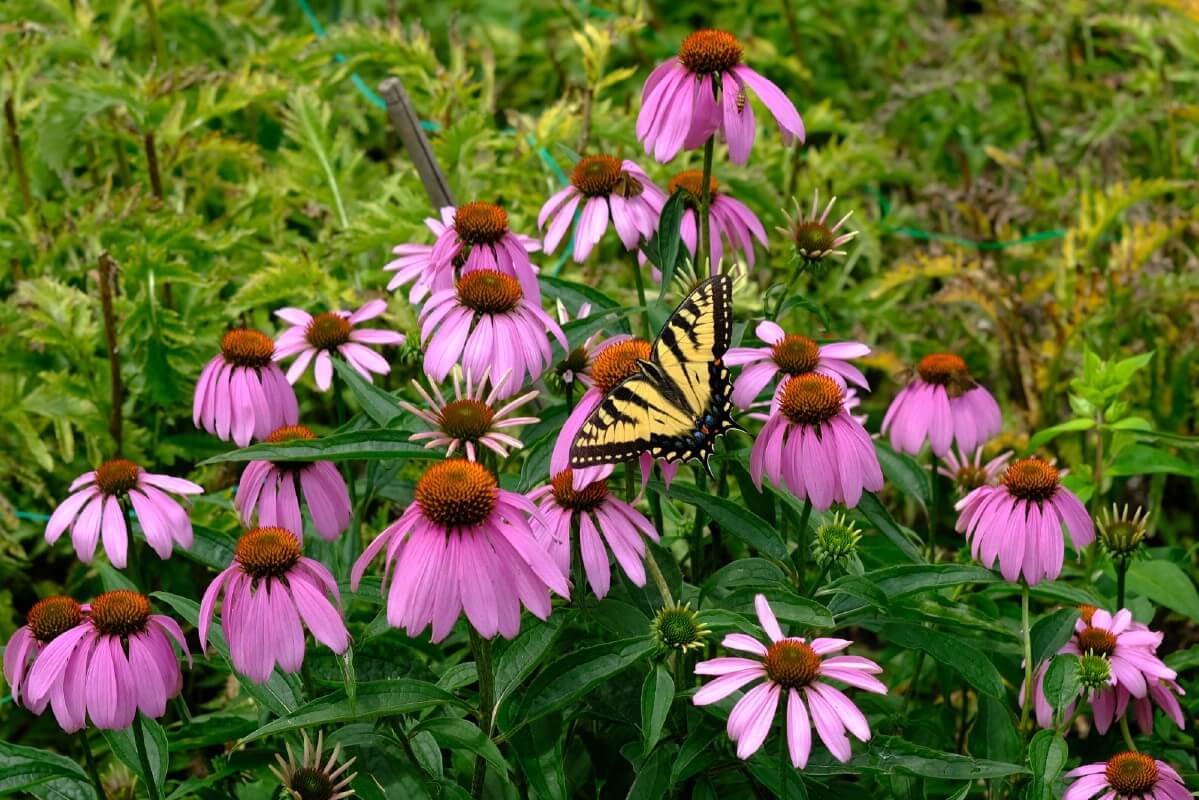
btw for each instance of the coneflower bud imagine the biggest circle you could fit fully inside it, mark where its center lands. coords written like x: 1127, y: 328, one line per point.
x: 1122, y: 535
x: 1094, y: 671
x: 678, y: 627
x: 836, y: 540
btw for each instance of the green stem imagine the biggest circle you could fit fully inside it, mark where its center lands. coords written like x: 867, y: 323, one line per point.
x: 570, y: 397
x: 697, y: 527
x: 935, y: 511
x: 820, y: 579
x: 481, y: 648
x: 1127, y: 734
x: 778, y: 307
x: 804, y: 543
x: 1026, y: 626
x: 640, y: 284
x: 90, y: 759
x: 349, y: 550
x: 703, y: 254
x: 1097, y: 491
x: 784, y: 757
x: 1121, y: 572
x: 576, y: 564
x: 651, y: 566
x: 139, y: 739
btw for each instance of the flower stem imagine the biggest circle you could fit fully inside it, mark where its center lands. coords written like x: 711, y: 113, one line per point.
x: 1127, y: 734
x: 935, y: 510
x: 703, y: 252
x: 697, y: 527
x: 778, y: 307
x: 1027, y: 629
x: 801, y: 551
x: 481, y: 648
x: 90, y: 759
x: 139, y: 739
x: 576, y: 563
x: 639, y: 282
x: 1121, y: 573
x: 651, y: 566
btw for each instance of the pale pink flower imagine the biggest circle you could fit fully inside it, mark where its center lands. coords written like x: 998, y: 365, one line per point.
x: 319, y: 337
x: 46, y: 621
x: 470, y: 420
x: 731, y: 223
x: 791, y: 354
x: 942, y: 405
x: 242, y: 394
x: 797, y: 670
x: 969, y: 474
x: 1127, y: 776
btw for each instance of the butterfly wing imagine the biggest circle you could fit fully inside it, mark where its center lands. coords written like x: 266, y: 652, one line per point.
x: 679, y: 401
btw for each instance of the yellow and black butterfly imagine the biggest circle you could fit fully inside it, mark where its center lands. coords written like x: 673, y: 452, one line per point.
x: 679, y: 401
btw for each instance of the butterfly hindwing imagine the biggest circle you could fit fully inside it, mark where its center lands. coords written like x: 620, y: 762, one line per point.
x: 679, y: 402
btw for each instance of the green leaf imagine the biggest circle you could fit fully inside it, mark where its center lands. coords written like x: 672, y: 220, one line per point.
x: 806, y: 303
x: 1143, y: 459
x: 1047, y: 754
x: 522, y: 655
x: 1165, y: 583
x: 574, y: 295
x: 1051, y: 632
x: 539, y: 749
x: 995, y: 735
x: 902, y: 580
x: 371, y: 444
x: 788, y: 607
x: 124, y: 747
x: 307, y: 122
x: 663, y: 248
x: 375, y: 699
x: 212, y: 548
x: 1043, y: 437
x: 652, y: 781
x: 878, y: 515
x: 459, y: 734
x: 952, y: 651
x: 575, y: 675
x: 657, y: 695
x: 733, y: 519
x: 756, y: 572
x: 1061, y: 681
x: 280, y: 694
x: 536, y: 469
x: 1181, y: 660
x: 24, y: 768
x: 382, y: 407
x: 905, y: 472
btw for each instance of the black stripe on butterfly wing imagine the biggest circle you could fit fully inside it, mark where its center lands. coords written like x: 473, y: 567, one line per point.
x: 696, y: 333
x: 622, y: 426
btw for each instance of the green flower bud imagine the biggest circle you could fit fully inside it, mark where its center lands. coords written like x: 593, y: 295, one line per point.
x: 678, y: 627
x: 836, y: 540
x: 1094, y: 671
x: 1122, y: 535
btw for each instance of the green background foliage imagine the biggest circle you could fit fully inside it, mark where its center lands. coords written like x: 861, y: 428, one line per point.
x: 1022, y: 175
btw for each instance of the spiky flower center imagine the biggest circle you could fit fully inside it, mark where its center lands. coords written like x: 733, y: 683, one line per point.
x: 120, y: 613
x: 1097, y: 641
x: 117, y: 477
x: 1031, y: 478
x: 811, y: 399
x: 246, y: 347
x: 1131, y: 774
x: 311, y: 783
x: 838, y: 538
x: 1085, y: 613
x: 457, y: 493
x: 489, y: 291
x: 791, y: 664
x: 679, y: 627
x: 1094, y: 671
x: 53, y: 616
x: 692, y: 181
x: 710, y: 52
x: 942, y: 368
x: 328, y: 331
x: 969, y: 477
x: 574, y: 364
x: 1121, y: 534
x: 589, y: 498
x: 467, y: 420
x: 267, y: 552
x: 813, y: 240
x: 480, y: 223
x: 617, y: 362
x: 290, y: 433
x: 602, y: 175
x: 795, y: 354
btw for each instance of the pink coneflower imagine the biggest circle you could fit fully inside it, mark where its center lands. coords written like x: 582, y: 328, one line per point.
x: 242, y: 394
x: 117, y: 661
x: 814, y: 446
x: 942, y: 404
x: 791, y: 354
x: 1134, y: 670
x: 93, y: 509
x: 470, y: 420
x: 615, y: 360
x: 1020, y: 522
x: 471, y: 237
x: 729, y: 220
x: 46, y: 621
x: 791, y: 665
x: 487, y: 321
x: 969, y: 474
x: 272, y: 592
x: 598, y: 512
x: 704, y: 90
x: 464, y: 544
x: 607, y: 188
x: 333, y: 331
x: 1127, y: 776
x: 812, y: 237
x: 274, y: 490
